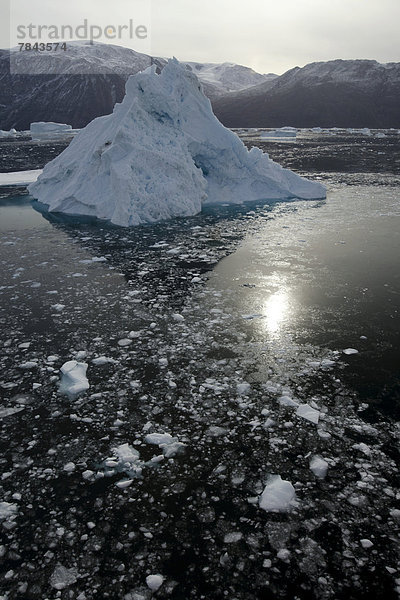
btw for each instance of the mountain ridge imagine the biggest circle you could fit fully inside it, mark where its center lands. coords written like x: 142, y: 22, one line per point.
x: 337, y: 93
x: 86, y: 80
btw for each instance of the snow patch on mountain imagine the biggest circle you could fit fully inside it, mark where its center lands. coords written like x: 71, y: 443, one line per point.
x: 220, y: 79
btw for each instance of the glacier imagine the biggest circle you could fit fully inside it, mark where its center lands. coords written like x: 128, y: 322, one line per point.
x: 162, y: 153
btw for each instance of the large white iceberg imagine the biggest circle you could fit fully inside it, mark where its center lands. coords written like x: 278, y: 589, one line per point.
x: 162, y: 153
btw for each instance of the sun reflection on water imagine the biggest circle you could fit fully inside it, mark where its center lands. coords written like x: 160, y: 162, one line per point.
x: 276, y: 311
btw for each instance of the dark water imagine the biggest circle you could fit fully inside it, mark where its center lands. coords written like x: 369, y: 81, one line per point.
x: 218, y: 316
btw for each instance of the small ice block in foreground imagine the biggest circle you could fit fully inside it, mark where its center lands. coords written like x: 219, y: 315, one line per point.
x: 278, y: 495
x: 73, y: 378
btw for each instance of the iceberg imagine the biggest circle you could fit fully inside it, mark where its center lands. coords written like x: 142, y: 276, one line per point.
x: 283, y: 132
x: 8, y: 134
x: 19, y: 177
x: 48, y: 129
x: 162, y: 153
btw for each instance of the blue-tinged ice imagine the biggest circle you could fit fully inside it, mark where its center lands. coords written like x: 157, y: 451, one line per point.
x: 162, y: 153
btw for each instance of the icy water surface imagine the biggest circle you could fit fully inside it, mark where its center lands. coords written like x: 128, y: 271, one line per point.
x: 227, y: 332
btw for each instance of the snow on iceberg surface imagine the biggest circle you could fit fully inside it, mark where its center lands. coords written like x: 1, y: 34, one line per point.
x: 162, y: 153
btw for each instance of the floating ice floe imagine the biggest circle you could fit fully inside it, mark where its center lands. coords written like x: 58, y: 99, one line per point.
x: 43, y: 130
x: 8, y: 511
x: 349, y: 351
x: 319, y: 467
x: 233, y: 537
x: 8, y: 411
x: 69, y: 467
x: 126, y: 454
x: 73, y: 378
x: 307, y: 412
x: 243, y: 388
x: 102, y: 360
x: 63, y: 577
x: 154, y: 582
x: 162, y: 153
x: 8, y: 134
x: 19, y: 177
x: 278, y: 495
x: 169, y: 445
x: 124, y: 460
x: 288, y: 401
x: 282, y: 132
x: 29, y: 364
x: 362, y: 448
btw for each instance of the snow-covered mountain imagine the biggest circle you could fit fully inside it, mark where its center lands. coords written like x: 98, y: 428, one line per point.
x: 338, y: 93
x: 220, y: 79
x: 72, y: 86
x: 86, y: 80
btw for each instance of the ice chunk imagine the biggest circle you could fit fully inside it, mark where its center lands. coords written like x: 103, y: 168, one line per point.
x: 48, y: 127
x: 73, y: 379
x: 216, y: 431
x: 349, y: 351
x: 69, y: 467
x: 124, y: 342
x: 362, y: 448
x: 30, y: 364
x: 283, y: 132
x: 8, y: 134
x: 102, y: 360
x: 124, y: 483
x: 7, y: 510
x: 168, y: 444
x: 162, y: 153
x: 307, y: 412
x: 243, y: 388
x: 233, y: 537
x: 278, y: 495
x: 8, y: 411
x: 287, y: 401
x: 58, y: 307
x: 177, y: 317
x: 284, y: 554
x: 43, y: 130
x: 159, y: 438
x: 63, y: 577
x: 19, y: 177
x: 395, y: 514
x: 319, y: 467
x: 126, y: 453
x: 154, y: 582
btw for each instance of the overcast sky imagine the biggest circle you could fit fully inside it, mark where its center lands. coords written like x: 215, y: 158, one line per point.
x: 267, y: 35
